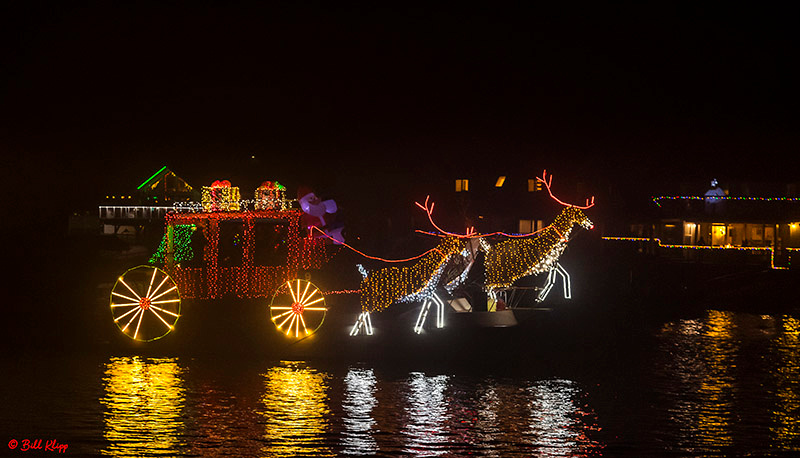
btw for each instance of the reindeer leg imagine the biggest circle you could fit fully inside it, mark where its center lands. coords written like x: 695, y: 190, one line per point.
x: 423, y: 313
x: 368, y: 323
x: 551, y: 280
x: 439, y: 311
x: 565, y: 277
x: 358, y: 325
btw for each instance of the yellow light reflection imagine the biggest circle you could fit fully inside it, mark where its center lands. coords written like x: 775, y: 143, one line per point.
x: 786, y: 414
x: 716, y: 390
x: 144, y: 400
x: 700, y: 378
x: 295, y: 409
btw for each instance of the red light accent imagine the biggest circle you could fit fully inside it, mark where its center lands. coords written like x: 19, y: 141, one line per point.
x: 297, y: 308
x: 313, y: 228
x: 144, y: 303
x: 543, y: 179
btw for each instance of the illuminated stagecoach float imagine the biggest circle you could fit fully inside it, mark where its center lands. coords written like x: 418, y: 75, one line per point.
x: 228, y: 265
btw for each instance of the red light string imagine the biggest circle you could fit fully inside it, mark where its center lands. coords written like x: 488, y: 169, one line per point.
x: 375, y: 257
x: 543, y: 179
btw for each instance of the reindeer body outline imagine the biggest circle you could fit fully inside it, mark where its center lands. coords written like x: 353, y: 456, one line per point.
x: 512, y: 259
x: 528, y: 256
x: 416, y: 282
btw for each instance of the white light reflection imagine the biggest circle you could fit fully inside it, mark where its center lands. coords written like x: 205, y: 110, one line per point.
x: 558, y: 425
x: 425, y: 430
x: 359, y: 400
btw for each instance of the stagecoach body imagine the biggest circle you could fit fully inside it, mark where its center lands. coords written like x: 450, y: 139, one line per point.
x: 214, y: 255
x: 242, y: 254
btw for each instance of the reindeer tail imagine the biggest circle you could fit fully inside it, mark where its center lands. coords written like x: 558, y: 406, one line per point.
x: 362, y: 271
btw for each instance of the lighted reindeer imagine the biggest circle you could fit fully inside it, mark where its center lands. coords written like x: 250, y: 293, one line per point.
x: 417, y: 282
x: 516, y: 258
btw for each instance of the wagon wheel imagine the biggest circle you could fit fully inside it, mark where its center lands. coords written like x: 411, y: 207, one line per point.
x: 300, y: 305
x: 145, y: 303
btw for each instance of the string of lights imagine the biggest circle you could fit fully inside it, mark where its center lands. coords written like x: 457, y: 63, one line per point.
x: 658, y: 241
x: 510, y: 260
x: 240, y: 275
x: 381, y: 288
x: 182, y: 249
x: 376, y: 258
x: 657, y: 200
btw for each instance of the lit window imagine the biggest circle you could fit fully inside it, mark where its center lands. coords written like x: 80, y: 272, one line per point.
x: 534, y: 185
x: 500, y: 181
x: 462, y: 185
x: 525, y: 226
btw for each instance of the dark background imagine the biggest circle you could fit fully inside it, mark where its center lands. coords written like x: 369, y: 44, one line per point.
x: 375, y: 105
x: 96, y: 97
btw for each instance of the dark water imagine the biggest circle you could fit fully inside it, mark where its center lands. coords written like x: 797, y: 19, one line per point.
x: 719, y: 384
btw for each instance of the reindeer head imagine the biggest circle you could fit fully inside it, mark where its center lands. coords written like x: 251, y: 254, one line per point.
x: 575, y: 216
x: 572, y: 214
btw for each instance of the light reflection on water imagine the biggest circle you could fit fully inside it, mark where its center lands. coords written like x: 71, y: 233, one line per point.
x: 786, y: 414
x: 722, y: 384
x: 701, y: 373
x: 559, y: 426
x: 149, y: 411
x: 426, y: 415
x: 144, y: 406
x: 358, y: 403
x: 295, y: 409
x: 731, y: 381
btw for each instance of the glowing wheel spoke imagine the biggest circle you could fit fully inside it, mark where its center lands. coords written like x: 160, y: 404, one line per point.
x: 159, y: 317
x: 303, y: 297
x: 314, y: 302
x: 126, y: 297
x: 141, y: 315
x: 138, y: 311
x: 127, y: 304
x: 312, y: 294
x: 150, y: 287
x: 164, y: 313
x: 165, y: 302
x: 303, y: 322
x: 130, y: 289
x: 126, y: 314
x: 289, y: 306
x: 294, y: 298
x: 165, y: 292
x: 289, y: 329
x: 287, y: 319
x: 160, y: 285
x: 275, y: 318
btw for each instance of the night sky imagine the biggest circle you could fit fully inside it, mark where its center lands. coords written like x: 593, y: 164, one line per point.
x: 95, y: 97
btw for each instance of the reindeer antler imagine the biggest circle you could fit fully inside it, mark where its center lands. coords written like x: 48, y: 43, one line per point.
x: 543, y: 179
x: 429, y: 210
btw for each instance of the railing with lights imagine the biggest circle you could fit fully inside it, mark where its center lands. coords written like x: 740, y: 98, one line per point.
x: 771, y: 250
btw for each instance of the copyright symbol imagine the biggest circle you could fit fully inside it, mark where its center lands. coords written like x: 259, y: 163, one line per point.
x: 12, y: 444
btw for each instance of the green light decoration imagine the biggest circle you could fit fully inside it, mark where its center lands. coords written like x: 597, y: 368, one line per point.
x: 181, y: 243
x: 154, y: 175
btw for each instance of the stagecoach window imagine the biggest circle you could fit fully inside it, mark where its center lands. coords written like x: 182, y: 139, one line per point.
x: 271, y: 246
x: 231, y: 242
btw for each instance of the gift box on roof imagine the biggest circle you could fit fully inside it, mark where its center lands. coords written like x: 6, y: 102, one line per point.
x: 271, y: 195
x: 220, y: 196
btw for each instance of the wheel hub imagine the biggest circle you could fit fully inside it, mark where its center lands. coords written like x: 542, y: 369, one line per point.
x: 298, y: 308
x: 144, y: 303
